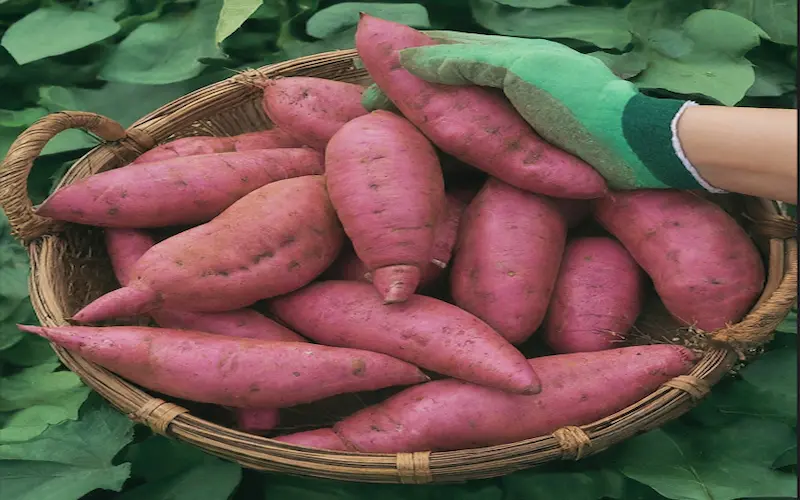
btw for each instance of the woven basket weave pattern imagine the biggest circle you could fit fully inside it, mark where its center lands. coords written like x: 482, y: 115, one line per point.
x: 69, y: 268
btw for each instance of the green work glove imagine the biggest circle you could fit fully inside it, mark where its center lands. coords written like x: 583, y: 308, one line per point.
x: 572, y: 100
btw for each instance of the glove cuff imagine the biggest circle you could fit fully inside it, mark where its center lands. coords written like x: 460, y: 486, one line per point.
x: 676, y: 146
x: 650, y: 129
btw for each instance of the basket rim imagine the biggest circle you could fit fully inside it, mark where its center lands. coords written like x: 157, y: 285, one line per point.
x: 253, y: 451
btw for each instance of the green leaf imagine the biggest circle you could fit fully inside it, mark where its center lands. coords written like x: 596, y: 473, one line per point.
x: 767, y: 389
x: 786, y: 459
x: 32, y: 350
x: 177, y: 471
x: 281, y: 486
x: 789, y: 325
x: 341, y: 16
x: 777, y: 17
x: 21, y: 118
x: 167, y: 50
x: 233, y: 14
x: 646, y: 16
x: 141, y: 99
x: 29, y: 422
x: 706, y: 56
x: 37, y: 385
x: 589, y: 484
x: 51, y: 31
x: 9, y: 333
x: 68, y: 460
x: 534, y: 4
x: 625, y: 66
x: 723, y: 463
x: 605, y: 27
x: 107, y: 8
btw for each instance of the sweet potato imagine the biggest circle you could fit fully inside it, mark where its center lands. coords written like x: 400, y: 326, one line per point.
x: 447, y: 231
x: 705, y: 268
x: 597, y: 297
x: 257, y: 420
x: 476, y: 125
x: 324, y: 439
x: 274, y: 240
x: 193, y: 146
x: 239, y: 373
x: 386, y: 185
x: 177, y: 191
x: 126, y: 247
x: 450, y: 415
x: 425, y: 331
x: 311, y: 109
x: 349, y: 267
x: 508, y: 253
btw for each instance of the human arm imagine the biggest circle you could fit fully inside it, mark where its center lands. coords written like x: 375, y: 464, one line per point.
x: 750, y: 151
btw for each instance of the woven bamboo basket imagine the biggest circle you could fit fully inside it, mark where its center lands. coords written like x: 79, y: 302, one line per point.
x: 70, y: 268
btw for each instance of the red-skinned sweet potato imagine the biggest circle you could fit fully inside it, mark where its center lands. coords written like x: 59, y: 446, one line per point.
x: 453, y: 415
x: 597, y: 297
x: 349, y: 267
x: 274, y: 240
x: 386, y: 185
x: 193, y: 146
x: 705, y: 268
x: 176, y: 191
x: 425, y: 331
x: 126, y: 247
x: 507, y: 258
x: 476, y: 125
x: 311, y: 109
x: 238, y: 373
x: 324, y: 439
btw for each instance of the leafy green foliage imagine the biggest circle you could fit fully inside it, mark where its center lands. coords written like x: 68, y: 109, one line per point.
x: 233, y: 14
x: 777, y: 17
x: 724, y: 463
x: 704, y: 55
x: 32, y: 37
x: 763, y: 391
x: 604, y: 27
x: 68, y: 460
x: 36, y: 385
x: 581, y: 483
x: 167, y: 50
x: 341, y: 16
x: 125, y: 58
x: 176, y: 471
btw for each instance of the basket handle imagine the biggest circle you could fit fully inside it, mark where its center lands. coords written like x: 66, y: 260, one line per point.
x: 16, y: 167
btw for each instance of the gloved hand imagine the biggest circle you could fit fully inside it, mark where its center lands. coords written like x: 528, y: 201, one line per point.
x: 573, y: 101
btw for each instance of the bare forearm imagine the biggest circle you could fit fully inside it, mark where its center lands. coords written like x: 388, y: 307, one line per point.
x: 743, y: 150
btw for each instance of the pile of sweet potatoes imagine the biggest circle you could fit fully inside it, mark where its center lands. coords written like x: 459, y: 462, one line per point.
x: 334, y: 254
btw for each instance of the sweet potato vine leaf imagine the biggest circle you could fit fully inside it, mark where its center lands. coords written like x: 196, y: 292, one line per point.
x: 167, y: 50
x: 777, y: 17
x: 341, y: 16
x: 55, y: 30
x: 565, y: 481
x: 704, y: 55
x: 70, y: 459
x: 233, y: 14
x: 767, y: 389
x: 176, y: 471
x: 605, y: 27
x: 721, y: 463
